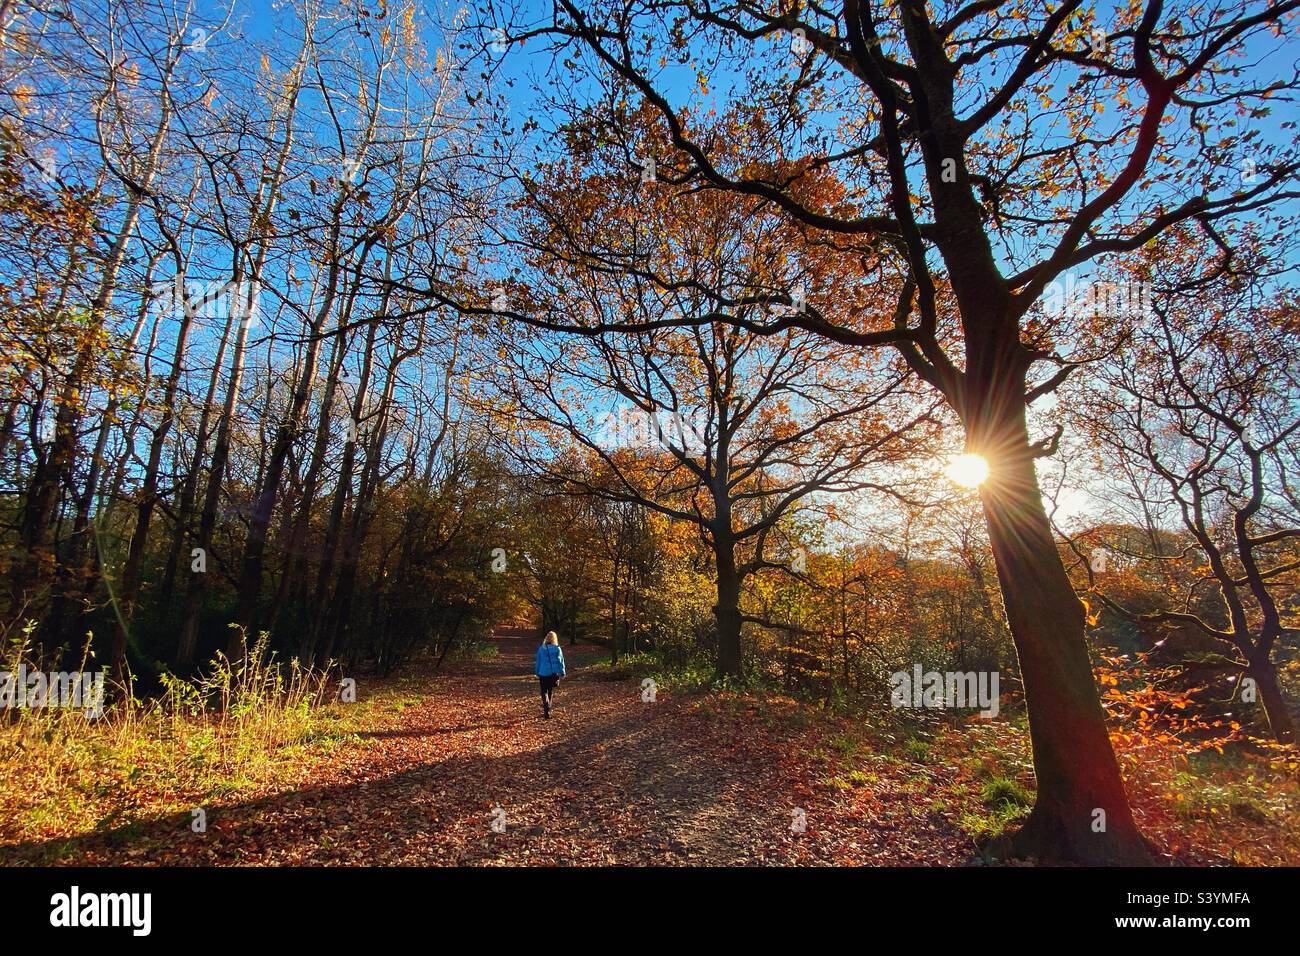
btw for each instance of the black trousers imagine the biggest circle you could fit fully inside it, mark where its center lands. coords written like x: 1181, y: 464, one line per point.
x: 548, y: 686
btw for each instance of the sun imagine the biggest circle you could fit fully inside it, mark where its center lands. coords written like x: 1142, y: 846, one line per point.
x: 968, y: 470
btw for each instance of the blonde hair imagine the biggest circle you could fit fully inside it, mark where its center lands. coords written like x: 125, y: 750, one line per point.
x: 551, y: 638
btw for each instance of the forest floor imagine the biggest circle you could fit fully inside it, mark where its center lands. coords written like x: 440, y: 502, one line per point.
x: 459, y: 768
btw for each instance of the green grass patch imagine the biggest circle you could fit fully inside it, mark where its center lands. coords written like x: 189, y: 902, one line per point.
x: 1002, y: 792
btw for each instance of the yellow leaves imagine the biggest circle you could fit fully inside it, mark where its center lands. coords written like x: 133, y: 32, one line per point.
x: 1091, y: 616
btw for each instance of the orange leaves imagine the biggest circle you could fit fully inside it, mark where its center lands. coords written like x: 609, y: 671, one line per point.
x: 1089, y: 615
x: 22, y: 96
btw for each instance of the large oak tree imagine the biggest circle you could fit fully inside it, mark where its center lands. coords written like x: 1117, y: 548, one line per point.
x: 992, y: 145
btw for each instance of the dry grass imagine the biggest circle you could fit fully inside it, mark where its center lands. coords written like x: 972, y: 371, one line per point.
x: 230, y: 734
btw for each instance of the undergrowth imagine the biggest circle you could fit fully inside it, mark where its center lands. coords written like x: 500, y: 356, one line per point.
x: 219, y: 736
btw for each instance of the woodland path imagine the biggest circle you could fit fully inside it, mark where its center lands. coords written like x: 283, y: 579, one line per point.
x: 609, y: 779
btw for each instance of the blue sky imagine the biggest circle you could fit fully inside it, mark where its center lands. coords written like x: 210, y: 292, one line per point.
x: 525, y: 67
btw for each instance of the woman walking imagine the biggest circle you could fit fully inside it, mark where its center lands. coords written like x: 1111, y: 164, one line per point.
x: 549, y: 668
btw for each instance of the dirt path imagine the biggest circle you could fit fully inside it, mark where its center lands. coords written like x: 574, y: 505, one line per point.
x: 609, y: 779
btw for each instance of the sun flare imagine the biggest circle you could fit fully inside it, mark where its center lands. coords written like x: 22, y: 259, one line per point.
x: 968, y: 470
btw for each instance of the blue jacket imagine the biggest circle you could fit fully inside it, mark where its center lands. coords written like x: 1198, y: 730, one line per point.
x: 550, y: 660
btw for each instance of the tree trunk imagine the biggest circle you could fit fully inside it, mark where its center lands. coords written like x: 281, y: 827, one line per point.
x: 727, y: 612
x: 250, y: 579
x: 296, y: 574
x: 133, y: 568
x: 190, y: 486
x: 194, y: 600
x: 43, y: 495
x: 364, y: 511
x: 1082, y: 813
x: 613, y: 617
x: 322, y: 622
x: 1280, y: 721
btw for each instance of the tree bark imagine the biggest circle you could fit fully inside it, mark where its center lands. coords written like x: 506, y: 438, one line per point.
x: 727, y: 612
x: 1280, y: 721
x: 1082, y: 813
x: 133, y: 568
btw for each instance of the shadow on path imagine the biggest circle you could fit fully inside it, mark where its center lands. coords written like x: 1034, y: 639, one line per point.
x: 608, y: 779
